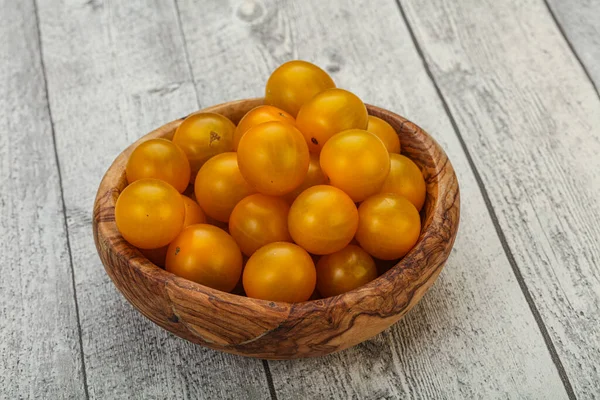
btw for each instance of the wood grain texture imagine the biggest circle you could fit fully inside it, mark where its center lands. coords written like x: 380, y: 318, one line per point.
x: 275, y: 330
x: 39, y: 341
x: 530, y: 119
x: 115, y: 71
x: 579, y: 22
x: 472, y: 335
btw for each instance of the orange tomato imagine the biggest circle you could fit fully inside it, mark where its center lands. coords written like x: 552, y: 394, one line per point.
x: 159, y: 159
x: 314, y: 177
x: 328, y: 113
x: 193, y: 213
x: 388, y: 226
x: 259, y: 115
x: 280, y: 271
x: 323, y: 219
x: 357, y: 162
x: 294, y: 83
x: 202, y: 136
x: 385, y: 132
x: 344, y: 270
x: 258, y: 220
x: 206, y: 255
x: 405, y: 179
x: 273, y: 157
x: 149, y: 213
x: 220, y: 186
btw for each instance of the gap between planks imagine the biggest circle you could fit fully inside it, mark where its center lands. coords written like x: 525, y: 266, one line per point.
x: 62, y: 198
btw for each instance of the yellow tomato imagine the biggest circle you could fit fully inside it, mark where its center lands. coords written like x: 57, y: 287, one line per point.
x: 258, y: 220
x: 159, y: 159
x: 344, y: 270
x: 280, y: 271
x: 259, y: 115
x: 323, y: 219
x: 149, y: 213
x: 328, y: 113
x: 294, y: 83
x: 385, y: 132
x: 405, y: 179
x: 193, y: 213
x: 206, y: 255
x: 202, y: 136
x: 357, y: 162
x: 314, y: 177
x: 389, y: 226
x: 220, y: 186
x: 273, y: 157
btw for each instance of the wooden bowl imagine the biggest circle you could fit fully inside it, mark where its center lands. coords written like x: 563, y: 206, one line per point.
x: 276, y: 330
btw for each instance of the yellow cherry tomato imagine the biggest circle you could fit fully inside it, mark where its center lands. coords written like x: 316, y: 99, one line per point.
x: 294, y: 83
x: 259, y: 115
x: 149, y: 213
x: 206, y: 255
x: 273, y: 157
x: 323, y: 219
x: 159, y: 159
x: 258, y: 220
x: 405, y: 179
x: 202, y: 136
x: 385, y: 132
x: 280, y: 271
x: 344, y: 270
x: 220, y: 186
x: 328, y: 113
x: 357, y: 162
x: 314, y: 177
x: 156, y: 256
x: 193, y: 213
x: 388, y: 226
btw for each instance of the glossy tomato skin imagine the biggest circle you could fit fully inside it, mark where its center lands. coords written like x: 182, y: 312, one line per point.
x: 323, y: 219
x: 206, y: 255
x: 149, y: 213
x: 273, y: 158
x: 202, y: 136
x: 385, y: 132
x: 330, y: 112
x: 280, y: 271
x: 314, y: 177
x: 193, y: 213
x: 344, y: 270
x: 159, y: 159
x: 357, y: 162
x: 405, y: 179
x: 258, y: 220
x: 220, y: 186
x: 294, y: 83
x: 257, y: 116
x: 389, y: 226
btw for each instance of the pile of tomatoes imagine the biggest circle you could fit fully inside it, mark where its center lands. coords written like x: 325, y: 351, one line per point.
x: 307, y: 178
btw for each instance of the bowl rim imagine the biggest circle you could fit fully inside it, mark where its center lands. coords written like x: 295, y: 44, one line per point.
x: 439, y: 227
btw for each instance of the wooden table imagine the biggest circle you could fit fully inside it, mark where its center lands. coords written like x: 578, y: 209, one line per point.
x: 509, y: 88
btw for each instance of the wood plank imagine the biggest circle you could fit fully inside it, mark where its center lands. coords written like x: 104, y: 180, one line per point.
x: 115, y: 71
x: 530, y: 119
x: 473, y: 334
x: 579, y: 23
x: 40, y: 353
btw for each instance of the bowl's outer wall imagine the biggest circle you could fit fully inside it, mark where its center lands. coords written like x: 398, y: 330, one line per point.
x: 274, y: 330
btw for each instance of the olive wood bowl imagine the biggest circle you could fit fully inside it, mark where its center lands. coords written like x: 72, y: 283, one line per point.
x: 277, y: 330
